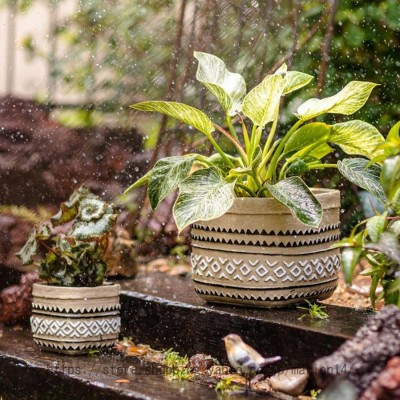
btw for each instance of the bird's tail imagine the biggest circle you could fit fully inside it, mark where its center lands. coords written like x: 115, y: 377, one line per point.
x: 270, y: 360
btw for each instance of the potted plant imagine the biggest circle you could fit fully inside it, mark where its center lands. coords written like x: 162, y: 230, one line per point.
x: 74, y: 310
x: 376, y: 240
x: 261, y: 237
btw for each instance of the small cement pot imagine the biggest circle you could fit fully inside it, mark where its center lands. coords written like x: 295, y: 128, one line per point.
x: 72, y: 320
x: 258, y: 254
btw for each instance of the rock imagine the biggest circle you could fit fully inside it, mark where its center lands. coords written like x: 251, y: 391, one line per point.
x: 290, y: 381
x: 201, y: 362
x: 362, y: 358
x: 387, y: 385
x: 16, y: 300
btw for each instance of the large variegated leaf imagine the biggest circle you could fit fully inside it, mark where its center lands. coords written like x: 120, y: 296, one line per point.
x: 182, y: 112
x: 262, y: 103
x: 307, y: 135
x: 349, y: 100
x: 228, y: 87
x: 356, y: 137
x: 203, y: 196
x: 294, y: 194
x: 166, y: 175
x: 356, y: 170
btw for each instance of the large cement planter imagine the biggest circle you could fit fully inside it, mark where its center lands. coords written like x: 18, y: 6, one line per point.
x: 73, y: 320
x: 258, y: 254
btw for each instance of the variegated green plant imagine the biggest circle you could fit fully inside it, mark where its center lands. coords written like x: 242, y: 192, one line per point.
x: 76, y: 257
x: 377, y: 239
x: 264, y: 165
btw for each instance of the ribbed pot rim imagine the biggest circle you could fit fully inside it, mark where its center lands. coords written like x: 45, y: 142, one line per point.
x: 329, y: 198
x: 45, y: 290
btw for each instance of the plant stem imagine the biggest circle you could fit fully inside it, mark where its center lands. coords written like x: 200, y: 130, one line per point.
x: 252, y: 145
x: 270, y: 136
x: 230, y: 127
x: 322, y: 166
x: 266, y: 158
x: 245, y: 136
x: 235, y: 142
x: 247, y: 189
x: 220, y: 151
x: 273, y: 164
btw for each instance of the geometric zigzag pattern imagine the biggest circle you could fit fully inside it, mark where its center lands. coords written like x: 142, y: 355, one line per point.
x: 80, y: 328
x: 275, y: 241
x: 262, y: 270
x: 79, y: 308
x: 255, y: 231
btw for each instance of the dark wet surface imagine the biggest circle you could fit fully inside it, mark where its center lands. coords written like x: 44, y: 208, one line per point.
x: 164, y: 311
x: 28, y: 373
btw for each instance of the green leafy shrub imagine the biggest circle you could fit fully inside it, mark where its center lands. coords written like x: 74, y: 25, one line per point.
x: 265, y: 163
x: 76, y: 257
x: 377, y: 239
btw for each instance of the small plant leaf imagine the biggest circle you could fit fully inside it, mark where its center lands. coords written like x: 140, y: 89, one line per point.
x: 307, y: 135
x: 350, y: 257
x: 294, y: 80
x: 261, y: 104
x: 182, y: 112
x: 29, y: 249
x: 356, y: 137
x: 395, y: 228
x: 95, y: 228
x: 356, y: 170
x: 69, y: 209
x: 166, y: 175
x: 390, y: 179
x: 228, y: 87
x: 388, y: 244
x: 349, y: 100
x: 394, y: 135
x: 297, y: 168
x: 375, y: 226
x: 294, y: 193
x: 203, y: 196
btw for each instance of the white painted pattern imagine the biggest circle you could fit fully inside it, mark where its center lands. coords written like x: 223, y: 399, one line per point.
x: 264, y: 270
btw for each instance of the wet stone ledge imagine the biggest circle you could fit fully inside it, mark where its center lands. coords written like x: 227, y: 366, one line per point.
x: 28, y: 373
x: 165, y: 312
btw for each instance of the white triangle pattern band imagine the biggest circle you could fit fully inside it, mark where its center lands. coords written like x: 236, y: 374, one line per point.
x: 81, y: 328
x: 74, y: 346
x: 246, y: 271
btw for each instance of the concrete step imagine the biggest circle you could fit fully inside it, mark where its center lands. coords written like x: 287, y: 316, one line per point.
x: 164, y: 312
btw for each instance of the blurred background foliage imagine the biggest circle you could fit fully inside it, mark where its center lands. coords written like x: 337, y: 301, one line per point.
x: 118, y: 52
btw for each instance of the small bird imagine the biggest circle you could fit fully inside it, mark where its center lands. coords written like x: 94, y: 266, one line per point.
x: 244, y: 358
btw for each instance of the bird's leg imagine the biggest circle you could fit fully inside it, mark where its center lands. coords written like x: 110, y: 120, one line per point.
x: 248, y: 383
